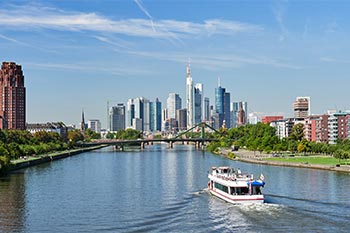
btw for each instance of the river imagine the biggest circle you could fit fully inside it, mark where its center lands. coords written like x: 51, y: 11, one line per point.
x: 164, y: 190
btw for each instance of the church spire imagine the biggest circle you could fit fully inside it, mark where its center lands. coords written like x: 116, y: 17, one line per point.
x: 82, y: 126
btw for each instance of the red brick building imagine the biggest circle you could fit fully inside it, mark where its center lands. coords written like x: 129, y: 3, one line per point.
x: 269, y: 119
x: 12, y: 97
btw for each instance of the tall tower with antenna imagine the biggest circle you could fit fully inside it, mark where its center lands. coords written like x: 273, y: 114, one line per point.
x: 189, y: 96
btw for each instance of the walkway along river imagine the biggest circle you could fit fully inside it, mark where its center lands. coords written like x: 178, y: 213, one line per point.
x: 161, y: 189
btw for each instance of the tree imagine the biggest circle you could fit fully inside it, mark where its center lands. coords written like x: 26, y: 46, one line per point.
x: 4, y: 159
x: 297, y: 133
x: 75, y: 136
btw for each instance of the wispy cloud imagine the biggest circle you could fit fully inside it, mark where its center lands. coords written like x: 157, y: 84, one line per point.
x: 143, y: 9
x: 13, y: 40
x: 85, y: 67
x: 36, y: 17
x: 215, y: 61
x: 115, y: 42
x: 279, y: 12
x: 334, y: 60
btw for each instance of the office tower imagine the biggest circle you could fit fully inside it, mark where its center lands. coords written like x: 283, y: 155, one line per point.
x: 164, y: 119
x: 12, y: 97
x: 117, y: 117
x: 142, y: 112
x: 227, y: 115
x: 245, y: 108
x: 94, y: 125
x: 173, y: 104
x: 301, y: 107
x: 146, y: 115
x: 234, y: 108
x: 198, y: 103
x: 222, y: 106
x: 130, y: 113
x: 189, y: 97
x: 182, y: 119
x: 206, y: 108
x: 156, y: 115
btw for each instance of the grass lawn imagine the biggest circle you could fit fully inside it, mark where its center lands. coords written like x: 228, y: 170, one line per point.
x: 322, y: 160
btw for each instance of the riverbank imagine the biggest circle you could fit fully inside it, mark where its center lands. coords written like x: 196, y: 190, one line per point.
x: 258, y: 158
x: 32, y: 161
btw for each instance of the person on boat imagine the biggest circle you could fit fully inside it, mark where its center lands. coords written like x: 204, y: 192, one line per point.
x: 239, y: 171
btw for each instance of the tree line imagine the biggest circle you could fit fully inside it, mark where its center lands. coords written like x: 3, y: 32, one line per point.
x: 20, y: 143
x: 262, y: 138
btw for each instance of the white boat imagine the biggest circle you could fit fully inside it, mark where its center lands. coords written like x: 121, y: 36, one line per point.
x: 234, y: 186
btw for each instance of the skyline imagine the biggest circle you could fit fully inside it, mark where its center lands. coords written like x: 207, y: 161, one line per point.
x: 82, y: 54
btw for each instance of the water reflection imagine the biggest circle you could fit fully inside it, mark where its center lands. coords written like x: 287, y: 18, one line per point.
x: 12, y: 203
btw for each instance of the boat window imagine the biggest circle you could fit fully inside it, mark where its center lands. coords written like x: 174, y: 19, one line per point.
x: 241, y: 190
x: 221, y: 187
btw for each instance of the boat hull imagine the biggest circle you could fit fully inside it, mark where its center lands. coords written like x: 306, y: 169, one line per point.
x: 237, y: 199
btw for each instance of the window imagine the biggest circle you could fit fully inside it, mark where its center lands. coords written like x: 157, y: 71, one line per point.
x: 221, y: 187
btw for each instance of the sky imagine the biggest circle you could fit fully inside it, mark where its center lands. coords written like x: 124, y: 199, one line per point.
x: 80, y: 54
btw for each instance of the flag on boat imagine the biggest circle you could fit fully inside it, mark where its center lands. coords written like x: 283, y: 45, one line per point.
x: 262, y: 177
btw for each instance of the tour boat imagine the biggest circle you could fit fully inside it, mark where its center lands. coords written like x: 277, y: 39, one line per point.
x: 234, y: 186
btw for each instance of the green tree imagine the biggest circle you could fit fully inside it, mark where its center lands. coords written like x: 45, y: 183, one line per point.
x: 297, y: 133
x: 4, y: 159
x: 75, y: 136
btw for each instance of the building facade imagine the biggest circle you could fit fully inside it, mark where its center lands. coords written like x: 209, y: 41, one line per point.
x: 94, y: 125
x: 301, y: 107
x: 269, y: 119
x: 189, y: 98
x: 181, y: 119
x: 198, y: 103
x: 12, y: 97
x: 174, y: 103
x: 117, y: 117
x: 55, y: 127
x: 222, y: 106
x: 156, y: 115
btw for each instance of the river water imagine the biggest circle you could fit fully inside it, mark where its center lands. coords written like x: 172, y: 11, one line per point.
x: 164, y: 190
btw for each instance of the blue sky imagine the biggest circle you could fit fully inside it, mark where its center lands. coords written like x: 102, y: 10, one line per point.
x: 82, y: 53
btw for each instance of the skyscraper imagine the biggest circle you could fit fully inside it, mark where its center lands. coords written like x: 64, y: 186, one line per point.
x: 173, y: 104
x: 139, y: 109
x: 189, y: 97
x: 12, y: 97
x: 156, y: 115
x: 117, y: 117
x: 130, y: 113
x: 206, y: 108
x: 222, y: 106
x: 182, y: 119
x: 198, y: 103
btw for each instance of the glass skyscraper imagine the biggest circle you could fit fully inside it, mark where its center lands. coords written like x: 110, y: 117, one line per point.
x: 222, y: 106
x: 198, y: 103
x: 156, y: 115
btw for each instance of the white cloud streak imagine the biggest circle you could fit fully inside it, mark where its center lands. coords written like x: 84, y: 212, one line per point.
x: 34, y: 17
x: 143, y: 9
x: 215, y: 62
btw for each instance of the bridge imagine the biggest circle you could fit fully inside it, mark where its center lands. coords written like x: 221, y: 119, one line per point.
x: 121, y: 144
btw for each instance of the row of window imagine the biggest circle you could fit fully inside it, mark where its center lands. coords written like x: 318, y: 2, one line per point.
x: 238, y: 190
